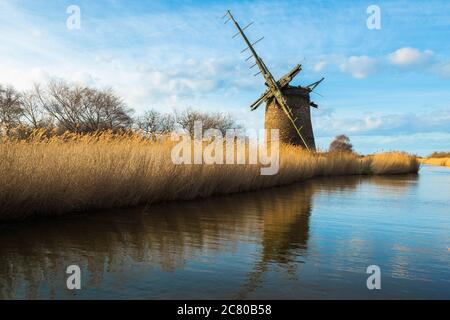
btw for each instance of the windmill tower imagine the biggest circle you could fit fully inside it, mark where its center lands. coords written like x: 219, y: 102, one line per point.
x: 287, y: 107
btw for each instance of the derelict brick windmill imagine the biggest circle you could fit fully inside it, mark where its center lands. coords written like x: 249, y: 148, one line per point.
x: 287, y: 107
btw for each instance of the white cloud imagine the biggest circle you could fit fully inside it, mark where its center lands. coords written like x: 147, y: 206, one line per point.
x: 436, y: 120
x: 358, y: 66
x: 406, y: 57
x: 320, y: 66
x: 421, y: 144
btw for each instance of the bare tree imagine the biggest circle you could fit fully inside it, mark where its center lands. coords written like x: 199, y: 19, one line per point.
x: 33, y: 109
x: 221, y: 121
x: 84, y: 109
x: 10, y: 108
x: 341, y: 144
x: 154, y: 123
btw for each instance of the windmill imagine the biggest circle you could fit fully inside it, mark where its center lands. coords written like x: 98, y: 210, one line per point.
x: 287, y: 107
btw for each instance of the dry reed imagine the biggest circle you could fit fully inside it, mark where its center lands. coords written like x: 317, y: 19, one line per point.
x: 44, y: 176
x: 444, y: 162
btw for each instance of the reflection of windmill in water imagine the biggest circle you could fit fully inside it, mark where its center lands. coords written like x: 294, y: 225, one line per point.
x: 287, y: 107
x: 285, y: 235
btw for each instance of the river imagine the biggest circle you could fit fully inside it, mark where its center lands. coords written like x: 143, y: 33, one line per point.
x: 305, y: 241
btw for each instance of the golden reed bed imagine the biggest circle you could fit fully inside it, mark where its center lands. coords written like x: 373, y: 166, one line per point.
x: 444, y: 162
x: 80, y: 173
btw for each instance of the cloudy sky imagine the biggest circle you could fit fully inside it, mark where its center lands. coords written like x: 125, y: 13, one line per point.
x: 388, y: 89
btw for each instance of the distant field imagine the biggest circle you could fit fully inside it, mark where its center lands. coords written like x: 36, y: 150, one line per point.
x: 83, y: 173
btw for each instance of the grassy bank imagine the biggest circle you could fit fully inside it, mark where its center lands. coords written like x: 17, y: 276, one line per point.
x: 80, y: 173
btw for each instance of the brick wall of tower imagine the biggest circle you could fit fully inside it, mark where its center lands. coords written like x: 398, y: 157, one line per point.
x: 275, y: 118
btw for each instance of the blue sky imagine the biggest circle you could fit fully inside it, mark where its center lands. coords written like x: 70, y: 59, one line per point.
x: 388, y: 89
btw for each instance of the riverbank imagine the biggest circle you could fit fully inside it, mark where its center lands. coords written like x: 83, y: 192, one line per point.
x: 85, y: 173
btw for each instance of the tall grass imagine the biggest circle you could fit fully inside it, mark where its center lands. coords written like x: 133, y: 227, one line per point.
x: 79, y: 173
x: 439, y: 161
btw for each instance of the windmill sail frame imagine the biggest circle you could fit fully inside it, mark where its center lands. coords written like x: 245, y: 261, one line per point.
x: 274, y: 87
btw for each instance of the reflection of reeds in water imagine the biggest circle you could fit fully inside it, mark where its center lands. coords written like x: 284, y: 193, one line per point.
x: 285, y: 231
x: 34, y: 256
x: 396, y: 183
x: 81, y: 173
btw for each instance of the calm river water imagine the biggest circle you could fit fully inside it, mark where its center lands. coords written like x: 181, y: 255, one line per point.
x: 309, y: 240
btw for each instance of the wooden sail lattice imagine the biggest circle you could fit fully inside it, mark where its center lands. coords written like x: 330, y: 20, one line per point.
x: 274, y: 90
